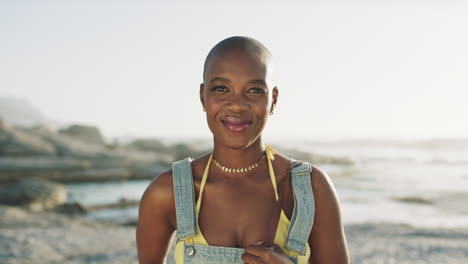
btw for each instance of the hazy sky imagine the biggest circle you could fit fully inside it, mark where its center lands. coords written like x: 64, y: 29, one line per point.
x: 346, y: 69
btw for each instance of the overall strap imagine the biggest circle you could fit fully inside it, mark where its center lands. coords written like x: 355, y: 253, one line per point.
x: 304, y: 207
x: 184, y: 198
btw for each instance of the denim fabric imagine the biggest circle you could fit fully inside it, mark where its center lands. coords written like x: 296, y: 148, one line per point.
x: 199, y: 254
x: 299, y: 229
x: 184, y: 198
x: 195, y: 254
x: 304, y: 207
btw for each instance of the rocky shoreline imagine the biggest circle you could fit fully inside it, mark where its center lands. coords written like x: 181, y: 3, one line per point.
x: 28, y: 237
x: 80, y: 153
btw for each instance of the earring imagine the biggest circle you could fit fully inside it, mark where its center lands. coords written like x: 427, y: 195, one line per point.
x: 204, y: 109
x: 271, y: 113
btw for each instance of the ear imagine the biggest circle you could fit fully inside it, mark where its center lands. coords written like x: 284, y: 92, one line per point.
x: 274, y: 96
x: 202, y: 94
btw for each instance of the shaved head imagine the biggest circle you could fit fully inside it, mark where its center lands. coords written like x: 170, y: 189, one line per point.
x: 248, y: 45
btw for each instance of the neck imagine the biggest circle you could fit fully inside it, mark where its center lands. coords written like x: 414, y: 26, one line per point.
x: 238, y: 157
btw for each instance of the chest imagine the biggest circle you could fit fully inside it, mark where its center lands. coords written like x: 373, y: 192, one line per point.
x: 235, y: 213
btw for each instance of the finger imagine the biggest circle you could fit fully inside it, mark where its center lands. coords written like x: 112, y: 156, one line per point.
x: 258, y: 243
x: 278, y: 249
x: 251, y: 259
x: 257, y: 250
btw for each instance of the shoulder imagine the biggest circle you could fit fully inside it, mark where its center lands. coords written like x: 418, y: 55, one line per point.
x: 325, y: 195
x: 327, y: 207
x: 318, y: 177
x: 322, y: 186
x: 158, y: 198
x: 156, y: 220
x: 327, y: 238
x: 321, y: 183
x: 161, y: 187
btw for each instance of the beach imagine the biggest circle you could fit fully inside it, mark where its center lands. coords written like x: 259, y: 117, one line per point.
x: 70, y: 197
x: 50, y: 238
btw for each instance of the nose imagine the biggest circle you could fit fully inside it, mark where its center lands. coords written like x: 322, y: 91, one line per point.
x: 237, y: 104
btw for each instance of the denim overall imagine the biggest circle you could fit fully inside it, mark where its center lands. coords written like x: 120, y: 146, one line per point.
x: 299, y: 229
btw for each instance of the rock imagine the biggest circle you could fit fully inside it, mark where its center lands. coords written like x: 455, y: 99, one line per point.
x: 42, y: 163
x: 122, y: 203
x: 14, y: 142
x: 40, y: 140
x: 34, y: 194
x: 413, y: 199
x: 148, y: 144
x: 13, y: 169
x: 67, y: 145
x: 92, y: 175
x: 88, y: 134
x: 70, y: 208
x: 149, y: 171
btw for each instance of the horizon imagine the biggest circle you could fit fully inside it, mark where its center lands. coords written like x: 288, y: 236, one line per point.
x: 54, y: 125
x: 369, y: 71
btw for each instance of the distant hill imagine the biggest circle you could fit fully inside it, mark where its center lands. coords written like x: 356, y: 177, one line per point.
x: 19, y: 112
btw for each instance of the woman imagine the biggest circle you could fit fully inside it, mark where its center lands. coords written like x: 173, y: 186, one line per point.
x: 223, y: 205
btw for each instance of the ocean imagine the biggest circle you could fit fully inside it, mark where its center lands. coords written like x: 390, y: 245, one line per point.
x: 419, y: 183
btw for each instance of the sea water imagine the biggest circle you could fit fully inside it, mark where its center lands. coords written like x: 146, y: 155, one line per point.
x: 423, y: 184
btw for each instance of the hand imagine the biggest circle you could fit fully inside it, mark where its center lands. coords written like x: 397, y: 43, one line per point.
x: 256, y: 253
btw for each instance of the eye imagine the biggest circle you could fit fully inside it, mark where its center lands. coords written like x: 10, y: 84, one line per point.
x: 219, y: 88
x: 256, y: 90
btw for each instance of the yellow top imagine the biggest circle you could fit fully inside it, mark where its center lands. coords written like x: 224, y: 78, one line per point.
x: 281, y: 232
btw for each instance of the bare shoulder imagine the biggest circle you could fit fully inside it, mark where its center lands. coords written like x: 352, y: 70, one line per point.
x: 159, y: 196
x: 327, y: 239
x: 327, y: 206
x: 322, y: 184
x: 156, y: 220
x: 161, y: 187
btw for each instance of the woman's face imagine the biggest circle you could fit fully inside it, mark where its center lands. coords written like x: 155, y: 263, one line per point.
x: 238, y: 97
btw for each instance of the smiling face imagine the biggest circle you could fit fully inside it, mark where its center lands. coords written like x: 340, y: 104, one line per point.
x: 238, y: 95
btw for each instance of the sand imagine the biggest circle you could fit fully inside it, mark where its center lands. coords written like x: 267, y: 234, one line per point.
x: 50, y: 238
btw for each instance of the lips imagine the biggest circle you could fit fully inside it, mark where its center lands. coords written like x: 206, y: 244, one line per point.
x: 236, y: 124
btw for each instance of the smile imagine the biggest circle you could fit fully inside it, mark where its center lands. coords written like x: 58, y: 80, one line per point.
x: 236, y: 124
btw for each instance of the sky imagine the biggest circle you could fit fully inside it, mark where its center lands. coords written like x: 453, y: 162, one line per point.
x: 345, y: 69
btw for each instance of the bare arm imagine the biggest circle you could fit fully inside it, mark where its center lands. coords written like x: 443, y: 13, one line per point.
x: 155, y: 220
x: 327, y: 239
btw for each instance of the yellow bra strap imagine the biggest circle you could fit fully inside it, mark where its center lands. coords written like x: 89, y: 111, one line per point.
x: 203, y: 182
x: 270, y: 156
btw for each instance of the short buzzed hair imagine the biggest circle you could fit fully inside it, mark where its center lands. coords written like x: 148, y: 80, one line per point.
x: 237, y: 42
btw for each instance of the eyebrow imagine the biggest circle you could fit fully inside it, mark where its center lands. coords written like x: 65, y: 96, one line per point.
x: 219, y: 79
x: 260, y: 82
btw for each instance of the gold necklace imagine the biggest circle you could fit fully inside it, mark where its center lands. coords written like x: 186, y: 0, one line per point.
x: 249, y: 168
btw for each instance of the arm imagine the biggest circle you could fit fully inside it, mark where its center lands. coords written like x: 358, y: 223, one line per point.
x: 327, y: 239
x: 155, y: 224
